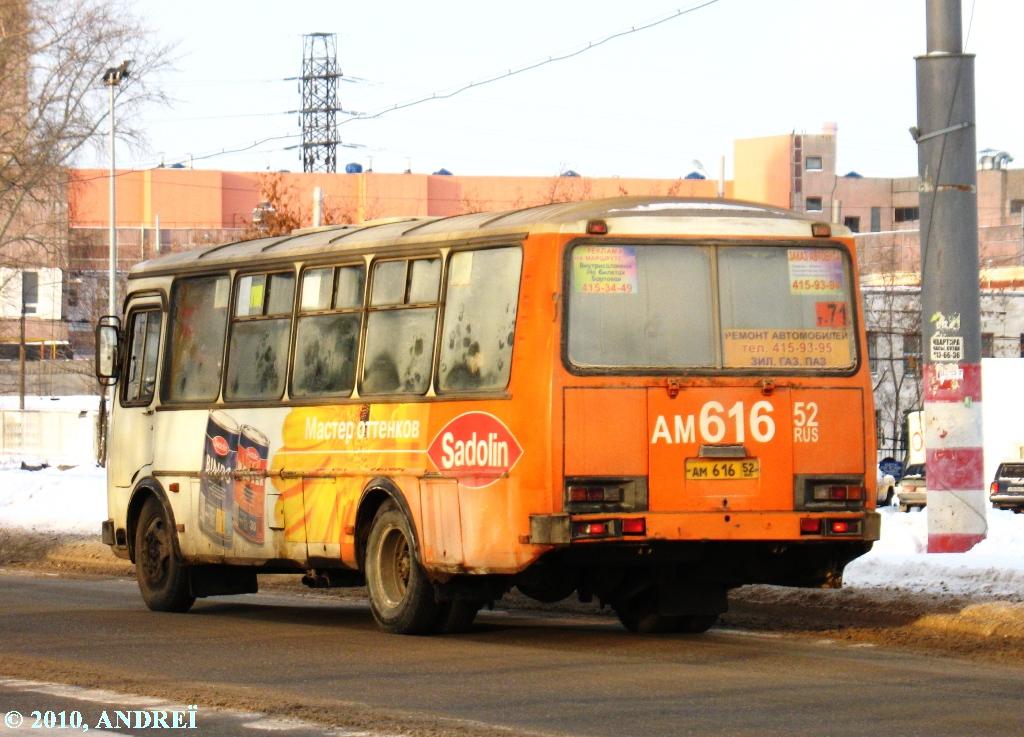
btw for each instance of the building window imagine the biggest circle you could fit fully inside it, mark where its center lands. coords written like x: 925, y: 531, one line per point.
x: 1016, y: 206
x: 852, y: 222
x: 813, y: 204
x: 912, y: 353
x: 29, y: 291
x: 873, y: 351
x: 876, y: 219
x: 813, y: 163
x: 907, y: 214
x: 1022, y: 345
x: 987, y: 345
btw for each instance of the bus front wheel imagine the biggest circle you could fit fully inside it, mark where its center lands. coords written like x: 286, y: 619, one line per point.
x: 162, y: 577
x: 401, y: 597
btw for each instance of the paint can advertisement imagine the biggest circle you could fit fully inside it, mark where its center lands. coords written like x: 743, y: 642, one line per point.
x: 215, y: 478
x: 250, y: 484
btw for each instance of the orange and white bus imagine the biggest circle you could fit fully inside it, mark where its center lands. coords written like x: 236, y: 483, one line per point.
x: 645, y: 400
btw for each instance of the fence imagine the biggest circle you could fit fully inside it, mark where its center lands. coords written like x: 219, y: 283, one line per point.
x: 55, y: 438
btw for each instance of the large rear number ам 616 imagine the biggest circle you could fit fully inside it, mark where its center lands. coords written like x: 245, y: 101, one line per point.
x: 713, y: 422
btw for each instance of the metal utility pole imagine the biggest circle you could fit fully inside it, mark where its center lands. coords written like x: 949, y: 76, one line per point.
x: 112, y: 78
x: 950, y: 295
x: 320, y: 102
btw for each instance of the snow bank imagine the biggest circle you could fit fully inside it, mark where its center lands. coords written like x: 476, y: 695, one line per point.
x: 900, y: 561
x: 52, y: 500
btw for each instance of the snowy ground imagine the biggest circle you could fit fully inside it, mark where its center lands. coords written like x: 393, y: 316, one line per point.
x: 74, y: 501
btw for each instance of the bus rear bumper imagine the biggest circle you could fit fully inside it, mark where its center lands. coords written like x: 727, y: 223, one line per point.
x: 564, y: 529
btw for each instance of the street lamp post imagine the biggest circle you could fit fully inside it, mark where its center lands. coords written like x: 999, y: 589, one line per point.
x: 112, y: 78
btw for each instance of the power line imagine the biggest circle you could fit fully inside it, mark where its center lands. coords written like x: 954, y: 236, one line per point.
x: 534, y: 65
x: 473, y: 85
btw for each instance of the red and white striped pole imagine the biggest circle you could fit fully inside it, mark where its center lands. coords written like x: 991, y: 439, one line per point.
x: 950, y: 295
x: 957, y: 504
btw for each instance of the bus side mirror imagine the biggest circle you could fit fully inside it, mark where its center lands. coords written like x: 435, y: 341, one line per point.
x: 108, y: 354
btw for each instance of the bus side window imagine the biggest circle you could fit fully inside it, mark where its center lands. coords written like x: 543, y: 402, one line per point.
x: 400, y: 327
x: 195, y: 346
x: 143, y: 354
x: 327, y: 332
x: 479, y: 320
x: 258, y: 349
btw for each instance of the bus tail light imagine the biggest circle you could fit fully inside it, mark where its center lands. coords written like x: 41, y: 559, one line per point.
x: 818, y: 526
x: 634, y: 526
x: 837, y: 493
x: 603, y: 495
x: 595, y: 493
x: 607, y: 528
x: 844, y: 527
x: 593, y: 529
x: 810, y: 526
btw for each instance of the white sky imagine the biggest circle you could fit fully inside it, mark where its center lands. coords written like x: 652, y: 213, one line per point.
x: 644, y: 105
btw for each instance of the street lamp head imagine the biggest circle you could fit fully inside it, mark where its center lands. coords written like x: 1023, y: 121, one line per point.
x: 113, y: 76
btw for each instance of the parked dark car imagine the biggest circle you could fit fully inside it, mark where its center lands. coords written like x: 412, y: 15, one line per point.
x: 1007, y: 488
x: 913, y: 490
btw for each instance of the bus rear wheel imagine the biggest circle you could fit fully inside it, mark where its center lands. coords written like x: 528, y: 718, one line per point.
x: 456, y: 616
x: 640, y: 614
x: 162, y: 577
x: 401, y: 597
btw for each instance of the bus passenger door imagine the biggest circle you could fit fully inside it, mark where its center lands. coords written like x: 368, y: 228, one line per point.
x: 130, y: 439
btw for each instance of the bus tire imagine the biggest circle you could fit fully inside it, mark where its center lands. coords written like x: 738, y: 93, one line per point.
x: 456, y: 616
x: 401, y: 597
x: 640, y: 615
x: 162, y: 577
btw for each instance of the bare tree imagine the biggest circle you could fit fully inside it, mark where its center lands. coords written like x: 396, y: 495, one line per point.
x: 567, y: 189
x: 53, y: 104
x: 280, y: 210
x: 892, y: 312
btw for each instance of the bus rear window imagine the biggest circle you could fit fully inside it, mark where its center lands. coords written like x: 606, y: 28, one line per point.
x: 710, y: 307
x: 785, y: 308
x: 641, y: 306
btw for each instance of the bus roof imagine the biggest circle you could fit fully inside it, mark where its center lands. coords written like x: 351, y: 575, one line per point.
x: 623, y: 215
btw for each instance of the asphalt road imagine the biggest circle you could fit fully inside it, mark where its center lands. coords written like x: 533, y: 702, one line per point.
x: 285, y: 655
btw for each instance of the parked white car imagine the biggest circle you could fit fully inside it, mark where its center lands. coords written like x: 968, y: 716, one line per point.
x: 913, y: 491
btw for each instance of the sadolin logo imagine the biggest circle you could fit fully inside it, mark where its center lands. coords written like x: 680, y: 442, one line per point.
x: 220, y: 445
x: 476, y: 448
